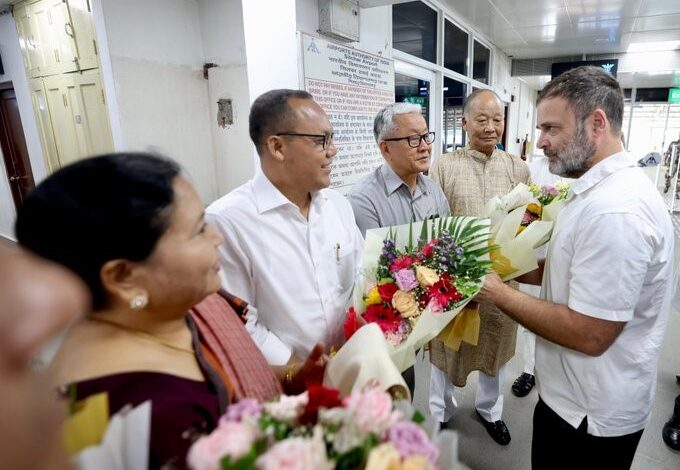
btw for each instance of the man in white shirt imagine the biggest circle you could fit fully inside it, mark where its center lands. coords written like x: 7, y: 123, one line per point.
x: 292, y: 248
x: 606, y: 284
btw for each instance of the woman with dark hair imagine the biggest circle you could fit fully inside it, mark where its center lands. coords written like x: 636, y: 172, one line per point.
x: 132, y: 228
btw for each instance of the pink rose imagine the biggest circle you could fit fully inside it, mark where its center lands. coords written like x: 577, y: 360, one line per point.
x: 434, y: 306
x: 229, y: 439
x: 297, y: 453
x: 371, y: 410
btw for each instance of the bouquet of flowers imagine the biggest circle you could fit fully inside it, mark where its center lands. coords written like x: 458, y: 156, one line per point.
x: 318, y: 430
x: 412, y: 290
x: 522, y: 221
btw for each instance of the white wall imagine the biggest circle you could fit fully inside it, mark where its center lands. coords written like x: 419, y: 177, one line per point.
x: 224, y: 44
x: 156, y: 53
x: 521, y: 119
x: 14, y: 71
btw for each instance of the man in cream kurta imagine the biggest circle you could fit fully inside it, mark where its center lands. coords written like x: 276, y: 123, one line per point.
x: 470, y: 177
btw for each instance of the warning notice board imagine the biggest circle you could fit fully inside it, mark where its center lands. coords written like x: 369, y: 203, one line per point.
x: 351, y: 86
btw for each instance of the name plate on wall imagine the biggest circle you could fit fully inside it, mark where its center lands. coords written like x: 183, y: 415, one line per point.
x: 351, y: 86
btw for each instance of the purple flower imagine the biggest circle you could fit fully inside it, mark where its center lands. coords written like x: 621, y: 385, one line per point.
x: 551, y: 190
x: 245, y: 407
x: 406, y: 279
x: 410, y: 439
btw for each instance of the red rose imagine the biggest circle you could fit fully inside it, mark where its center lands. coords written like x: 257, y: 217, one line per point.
x: 319, y: 397
x: 351, y: 324
x: 387, y: 291
x: 398, y: 264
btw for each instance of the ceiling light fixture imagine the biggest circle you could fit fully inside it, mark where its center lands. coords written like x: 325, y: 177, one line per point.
x: 653, y: 46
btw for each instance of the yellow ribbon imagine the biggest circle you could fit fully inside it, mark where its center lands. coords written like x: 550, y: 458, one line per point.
x: 87, y: 426
x: 501, y: 264
x: 465, y: 327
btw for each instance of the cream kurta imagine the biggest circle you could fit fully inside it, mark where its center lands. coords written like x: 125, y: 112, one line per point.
x: 469, y: 179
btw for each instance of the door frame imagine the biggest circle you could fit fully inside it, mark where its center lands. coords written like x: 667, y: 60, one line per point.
x: 6, y: 141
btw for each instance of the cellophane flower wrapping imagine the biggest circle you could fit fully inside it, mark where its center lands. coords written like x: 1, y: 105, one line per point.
x: 416, y: 278
x: 522, y: 221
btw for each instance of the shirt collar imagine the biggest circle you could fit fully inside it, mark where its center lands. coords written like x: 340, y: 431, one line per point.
x: 601, y: 170
x: 481, y: 156
x: 393, y: 181
x: 268, y: 197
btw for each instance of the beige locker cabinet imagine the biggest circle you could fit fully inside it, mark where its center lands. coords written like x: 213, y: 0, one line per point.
x: 62, y: 42
x: 79, y: 115
x: 60, y: 91
x: 80, y: 12
x: 93, y: 120
x: 42, y: 116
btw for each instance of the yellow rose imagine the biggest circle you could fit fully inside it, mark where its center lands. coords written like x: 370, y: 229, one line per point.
x: 372, y: 297
x: 415, y: 462
x: 426, y: 276
x: 405, y: 303
x: 384, y: 457
x: 534, y: 208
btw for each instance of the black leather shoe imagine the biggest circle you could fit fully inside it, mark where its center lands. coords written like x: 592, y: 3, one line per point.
x: 497, y: 430
x: 523, y: 385
x: 671, y: 433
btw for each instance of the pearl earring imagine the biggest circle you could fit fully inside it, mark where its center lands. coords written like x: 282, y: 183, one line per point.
x: 139, y: 301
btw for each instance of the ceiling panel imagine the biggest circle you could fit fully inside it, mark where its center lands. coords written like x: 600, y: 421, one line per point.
x: 553, y: 16
x: 660, y: 7
x: 570, y: 27
x: 653, y: 23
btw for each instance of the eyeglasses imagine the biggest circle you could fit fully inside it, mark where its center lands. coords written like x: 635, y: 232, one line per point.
x: 414, y: 140
x: 327, y: 138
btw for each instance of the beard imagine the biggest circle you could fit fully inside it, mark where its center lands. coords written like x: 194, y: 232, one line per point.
x: 571, y: 159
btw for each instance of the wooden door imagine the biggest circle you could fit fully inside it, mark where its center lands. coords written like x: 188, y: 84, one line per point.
x: 13, y: 145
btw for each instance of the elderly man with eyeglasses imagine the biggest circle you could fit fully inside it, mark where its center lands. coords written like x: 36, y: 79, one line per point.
x: 397, y: 192
x: 291, y: 249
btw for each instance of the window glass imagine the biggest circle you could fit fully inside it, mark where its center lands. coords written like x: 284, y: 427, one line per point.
x: 455, y: 48
x: 480, y: 68
x: 414, y: 30
x: 412, y: 90
x: 453, y: 136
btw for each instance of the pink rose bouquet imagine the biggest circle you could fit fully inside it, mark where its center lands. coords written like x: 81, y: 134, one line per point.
x: 317, y: 430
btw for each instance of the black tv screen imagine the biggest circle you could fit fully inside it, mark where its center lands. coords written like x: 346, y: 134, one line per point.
x: 611, y: 66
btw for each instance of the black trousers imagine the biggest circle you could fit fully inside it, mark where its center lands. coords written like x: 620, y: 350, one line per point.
x: 557, y: 445
x: 409, y: 376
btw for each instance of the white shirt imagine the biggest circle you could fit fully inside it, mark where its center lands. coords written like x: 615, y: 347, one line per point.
x: 610, y: 257
x: 297, y: 274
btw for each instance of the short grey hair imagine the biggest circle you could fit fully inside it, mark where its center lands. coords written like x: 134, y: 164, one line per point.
x: 384, y: 120
x: 587, y: 88
x: 467, y: 101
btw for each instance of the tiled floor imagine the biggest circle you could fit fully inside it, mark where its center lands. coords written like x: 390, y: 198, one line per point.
x: 479, y: 452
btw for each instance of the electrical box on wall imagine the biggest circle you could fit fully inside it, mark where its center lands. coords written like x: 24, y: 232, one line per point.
x: 339, y: 19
